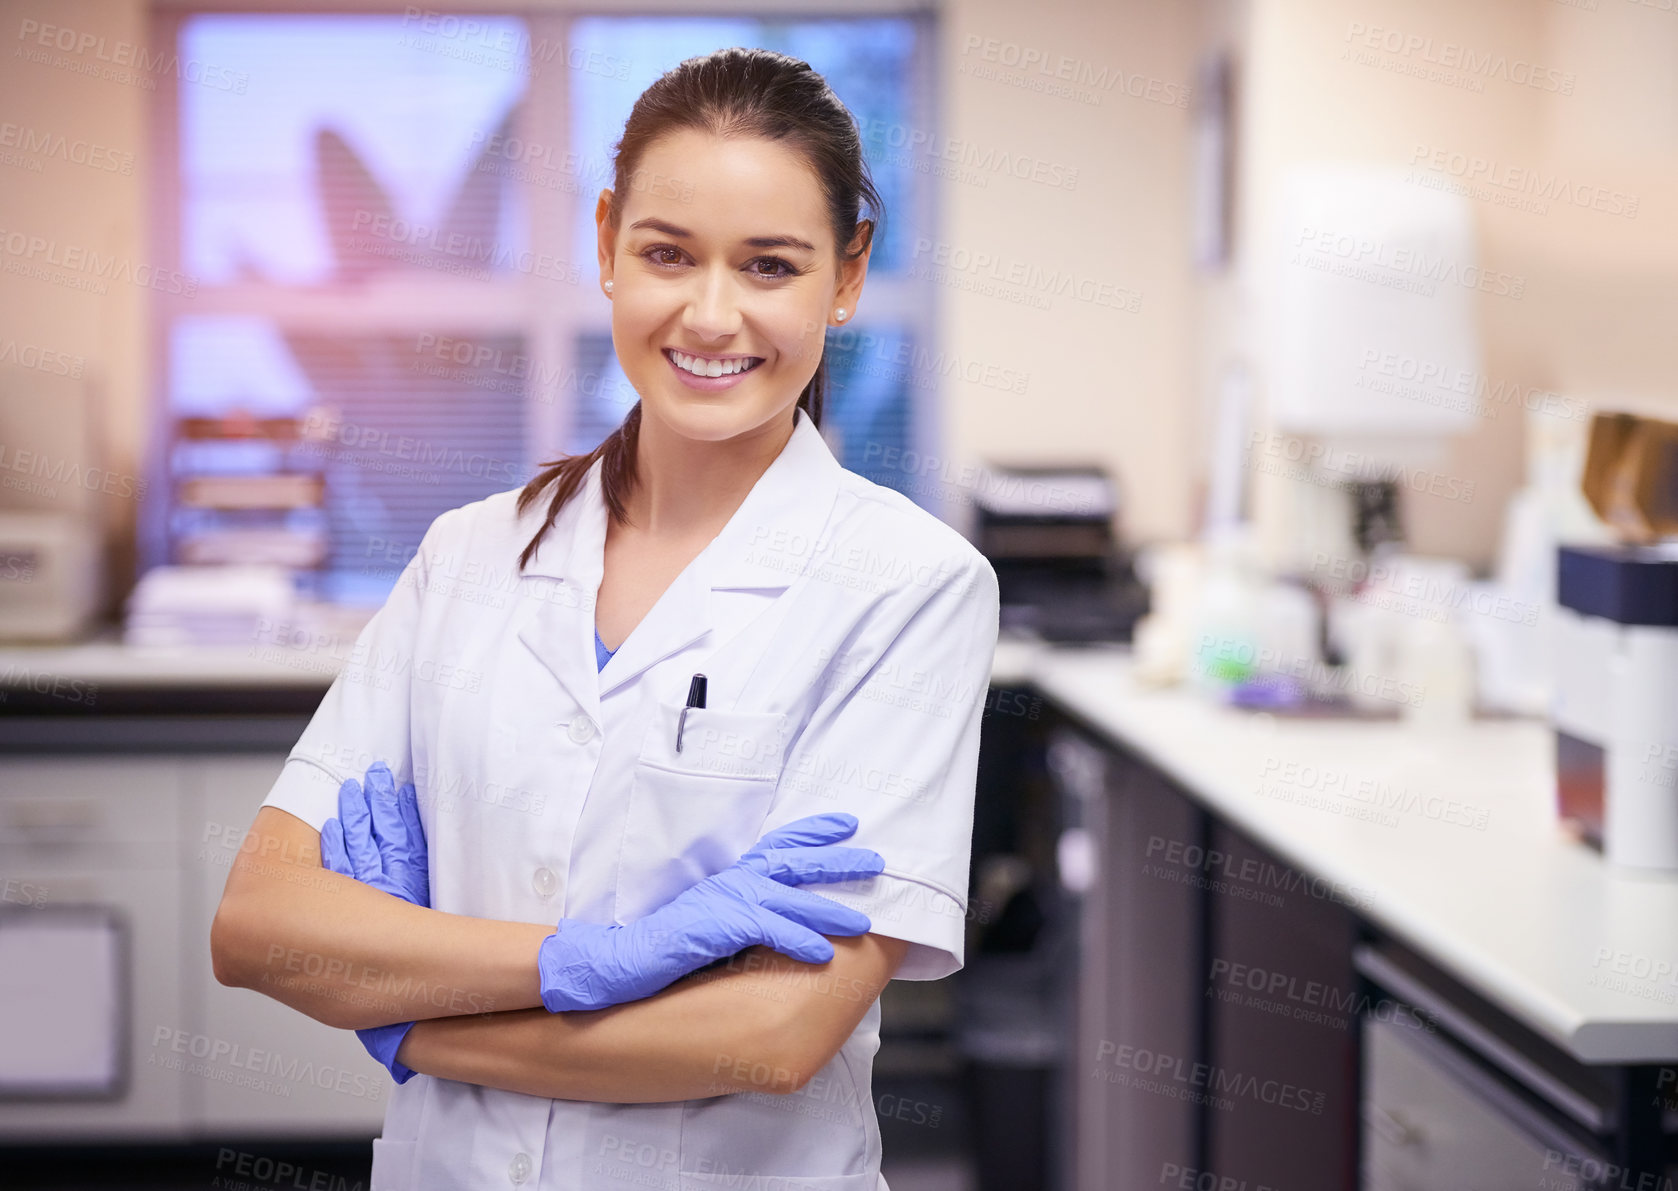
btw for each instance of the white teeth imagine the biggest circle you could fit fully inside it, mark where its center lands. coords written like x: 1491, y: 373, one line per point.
x: 700, y: 367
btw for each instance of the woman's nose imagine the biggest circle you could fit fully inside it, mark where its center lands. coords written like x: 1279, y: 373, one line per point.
x: 713, y: 308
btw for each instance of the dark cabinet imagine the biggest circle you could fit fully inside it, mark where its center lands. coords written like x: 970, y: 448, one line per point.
x: 1283, y: 1006
x: 1217, y: 1009
x: 1236, y: 1022
x: 1133, y: 852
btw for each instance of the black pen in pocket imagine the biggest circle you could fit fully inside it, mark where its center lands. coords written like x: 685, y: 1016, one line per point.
x: 696, y: 698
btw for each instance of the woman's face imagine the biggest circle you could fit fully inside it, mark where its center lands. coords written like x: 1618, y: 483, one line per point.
x: 723, y: 261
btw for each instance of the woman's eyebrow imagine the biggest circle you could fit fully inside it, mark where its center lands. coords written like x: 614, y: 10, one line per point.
x: 681, y: 233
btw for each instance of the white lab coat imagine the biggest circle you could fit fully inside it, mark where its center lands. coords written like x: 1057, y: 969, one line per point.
x: 847, y: 636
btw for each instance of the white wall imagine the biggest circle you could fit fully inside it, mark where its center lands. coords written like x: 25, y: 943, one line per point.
x: 79, y: 209
x: 1105, y: 383
x: 1600, y: 289
x: 1129, y: 389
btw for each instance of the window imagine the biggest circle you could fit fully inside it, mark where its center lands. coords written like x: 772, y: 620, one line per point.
x: 391, y: 230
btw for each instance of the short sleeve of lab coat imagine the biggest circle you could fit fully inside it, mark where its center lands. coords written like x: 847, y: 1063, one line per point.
x: 895, y: 741
x: 365, y: 714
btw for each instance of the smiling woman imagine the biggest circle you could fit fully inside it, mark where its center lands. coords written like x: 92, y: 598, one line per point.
x: 703, y: 310
x: 713, y: 533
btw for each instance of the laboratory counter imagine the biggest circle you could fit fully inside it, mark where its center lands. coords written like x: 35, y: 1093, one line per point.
x: 1446, y: 837
x: 1440, y: 841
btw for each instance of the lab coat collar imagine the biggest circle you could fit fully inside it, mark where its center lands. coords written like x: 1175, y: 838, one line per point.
x: 771, y: 537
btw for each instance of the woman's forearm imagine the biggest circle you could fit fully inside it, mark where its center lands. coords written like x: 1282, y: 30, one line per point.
x: 760, y: 1022
x: 351, y: 956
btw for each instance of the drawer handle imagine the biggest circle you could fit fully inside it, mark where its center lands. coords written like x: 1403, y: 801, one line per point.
x: 1391, y: 1127
x: 51, y: 817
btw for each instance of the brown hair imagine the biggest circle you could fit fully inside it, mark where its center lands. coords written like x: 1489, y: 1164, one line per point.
x: 732, y: 92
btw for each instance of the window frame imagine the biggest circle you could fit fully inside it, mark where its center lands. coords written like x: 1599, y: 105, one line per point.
x: 549, y: 317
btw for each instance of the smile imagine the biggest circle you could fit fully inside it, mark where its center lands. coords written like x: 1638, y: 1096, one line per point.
x: 711, y: 367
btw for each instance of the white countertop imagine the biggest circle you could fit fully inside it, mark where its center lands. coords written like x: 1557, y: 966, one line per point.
x: 1468, y: 866
x: 115, y: 664
x: 1465, y: 863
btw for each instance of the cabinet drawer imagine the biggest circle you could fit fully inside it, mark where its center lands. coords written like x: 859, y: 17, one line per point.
x: 60, y: 804
x: 148, y: 902
x: 1432, y: 1117
x: 277, y: 1073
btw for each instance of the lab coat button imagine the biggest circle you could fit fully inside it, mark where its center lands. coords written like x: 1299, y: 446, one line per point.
x: 545, y: 882
x: 518, y: 1170
x: 581, y: 730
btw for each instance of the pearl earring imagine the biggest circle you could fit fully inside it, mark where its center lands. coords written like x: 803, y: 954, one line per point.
x: 608, y: 286
x: 840, y: 313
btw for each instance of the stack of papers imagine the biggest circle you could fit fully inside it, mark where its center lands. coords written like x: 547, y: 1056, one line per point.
x: 208, y: 605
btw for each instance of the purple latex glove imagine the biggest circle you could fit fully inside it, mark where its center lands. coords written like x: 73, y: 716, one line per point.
x: 585, y: 965
x: 377, y: 839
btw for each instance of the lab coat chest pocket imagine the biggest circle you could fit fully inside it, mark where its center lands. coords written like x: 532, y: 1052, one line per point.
x: 693, y: 812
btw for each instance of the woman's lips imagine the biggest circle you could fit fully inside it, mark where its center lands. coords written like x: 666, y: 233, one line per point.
x: 708, y: 384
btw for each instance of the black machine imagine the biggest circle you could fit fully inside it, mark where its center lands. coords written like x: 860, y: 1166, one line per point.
x: 1063, y: 574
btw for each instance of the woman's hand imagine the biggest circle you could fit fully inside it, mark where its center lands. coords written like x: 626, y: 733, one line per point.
x: 754, y: 901
x: 377, y: 838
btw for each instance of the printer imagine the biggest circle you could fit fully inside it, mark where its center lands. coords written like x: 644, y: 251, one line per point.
x: 1061, y: 572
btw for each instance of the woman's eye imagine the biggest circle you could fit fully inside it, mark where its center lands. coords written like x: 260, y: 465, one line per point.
x: 668, y: 255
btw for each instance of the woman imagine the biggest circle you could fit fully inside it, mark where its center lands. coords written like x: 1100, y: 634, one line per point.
x: 532, y: 674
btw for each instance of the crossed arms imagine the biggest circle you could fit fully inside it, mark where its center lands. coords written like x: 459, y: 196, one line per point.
x: 351, y: 956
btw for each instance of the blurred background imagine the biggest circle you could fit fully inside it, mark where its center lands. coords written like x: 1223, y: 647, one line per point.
x: 1303, y: 367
